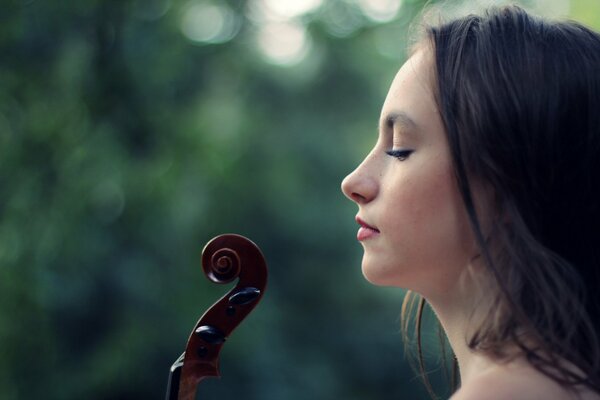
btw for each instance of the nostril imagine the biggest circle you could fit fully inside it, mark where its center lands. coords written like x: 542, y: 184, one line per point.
x: 359, y: 198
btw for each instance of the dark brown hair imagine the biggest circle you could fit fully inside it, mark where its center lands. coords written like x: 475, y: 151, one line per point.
x: 519, y: 97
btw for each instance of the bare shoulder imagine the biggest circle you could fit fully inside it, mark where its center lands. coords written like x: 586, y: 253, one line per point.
x: 517, y: 383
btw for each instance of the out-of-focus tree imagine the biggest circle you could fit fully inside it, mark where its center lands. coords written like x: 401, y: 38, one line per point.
x: 131, y: 132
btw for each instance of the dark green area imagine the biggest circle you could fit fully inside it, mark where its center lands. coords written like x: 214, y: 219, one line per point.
x: 125, y: 147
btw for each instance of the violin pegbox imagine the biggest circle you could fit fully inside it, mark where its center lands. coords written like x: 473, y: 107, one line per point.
x: 224, y: 258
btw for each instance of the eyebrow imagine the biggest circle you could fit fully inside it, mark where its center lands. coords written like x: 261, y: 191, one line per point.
x: 399, y: 118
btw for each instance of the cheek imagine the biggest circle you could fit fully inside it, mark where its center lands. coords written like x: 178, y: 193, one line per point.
x: 429, y: 235
x: 438, y: 206
x: 429, y: 202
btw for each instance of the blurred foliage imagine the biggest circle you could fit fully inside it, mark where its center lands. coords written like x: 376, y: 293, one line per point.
x: 125, y: 146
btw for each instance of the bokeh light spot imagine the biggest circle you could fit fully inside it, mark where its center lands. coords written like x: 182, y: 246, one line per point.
x: 209, y: 23
x: 281, y: 10
x: 380, y: 10
x: 292, y: 8
x: 283, y: 43
x: 342, y: 20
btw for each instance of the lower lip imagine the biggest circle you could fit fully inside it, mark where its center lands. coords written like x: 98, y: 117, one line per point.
x: 366, y: 233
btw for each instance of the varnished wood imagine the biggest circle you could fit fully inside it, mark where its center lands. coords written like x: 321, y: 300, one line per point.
x: 224, y: 258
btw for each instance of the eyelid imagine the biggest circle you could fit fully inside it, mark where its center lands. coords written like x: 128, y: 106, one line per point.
x: 399, y: 138
x: 401, y: 154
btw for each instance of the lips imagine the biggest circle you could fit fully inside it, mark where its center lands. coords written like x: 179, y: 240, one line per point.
x: 365, y: 231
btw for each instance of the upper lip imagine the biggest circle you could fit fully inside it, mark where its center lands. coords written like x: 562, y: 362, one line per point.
x: 364, y: 224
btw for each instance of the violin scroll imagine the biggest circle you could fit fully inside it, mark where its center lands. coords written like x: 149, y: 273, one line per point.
x: 224, y: 258
x: 223, y: 267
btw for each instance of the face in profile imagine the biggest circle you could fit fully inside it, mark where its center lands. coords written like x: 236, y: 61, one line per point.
x: 414, y: 227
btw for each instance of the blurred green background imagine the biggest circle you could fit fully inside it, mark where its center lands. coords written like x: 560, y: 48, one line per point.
x: 132, y: 132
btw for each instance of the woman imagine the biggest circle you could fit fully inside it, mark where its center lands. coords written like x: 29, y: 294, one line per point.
x: 480, y: 195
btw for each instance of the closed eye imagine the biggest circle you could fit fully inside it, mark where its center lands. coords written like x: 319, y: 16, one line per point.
x: 399, y: 154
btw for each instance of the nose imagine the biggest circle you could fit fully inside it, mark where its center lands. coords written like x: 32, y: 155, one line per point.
x: 359, y: 187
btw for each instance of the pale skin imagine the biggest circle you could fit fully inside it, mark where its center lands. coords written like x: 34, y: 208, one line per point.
x: 421, y: 239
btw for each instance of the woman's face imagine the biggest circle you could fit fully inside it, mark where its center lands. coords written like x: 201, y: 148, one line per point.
x: 406, y: 191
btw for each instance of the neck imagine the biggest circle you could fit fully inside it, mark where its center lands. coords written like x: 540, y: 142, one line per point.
x: 456, y: 309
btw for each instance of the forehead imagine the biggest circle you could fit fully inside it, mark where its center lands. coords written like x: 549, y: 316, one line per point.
x: 411, y: 92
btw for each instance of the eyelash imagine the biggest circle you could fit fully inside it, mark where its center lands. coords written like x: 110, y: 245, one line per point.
x: 399, y: 154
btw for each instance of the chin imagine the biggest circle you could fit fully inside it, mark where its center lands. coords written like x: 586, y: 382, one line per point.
x: 380, y: 275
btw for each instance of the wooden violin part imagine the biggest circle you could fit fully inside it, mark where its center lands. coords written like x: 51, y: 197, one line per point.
x: 224, y: 258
